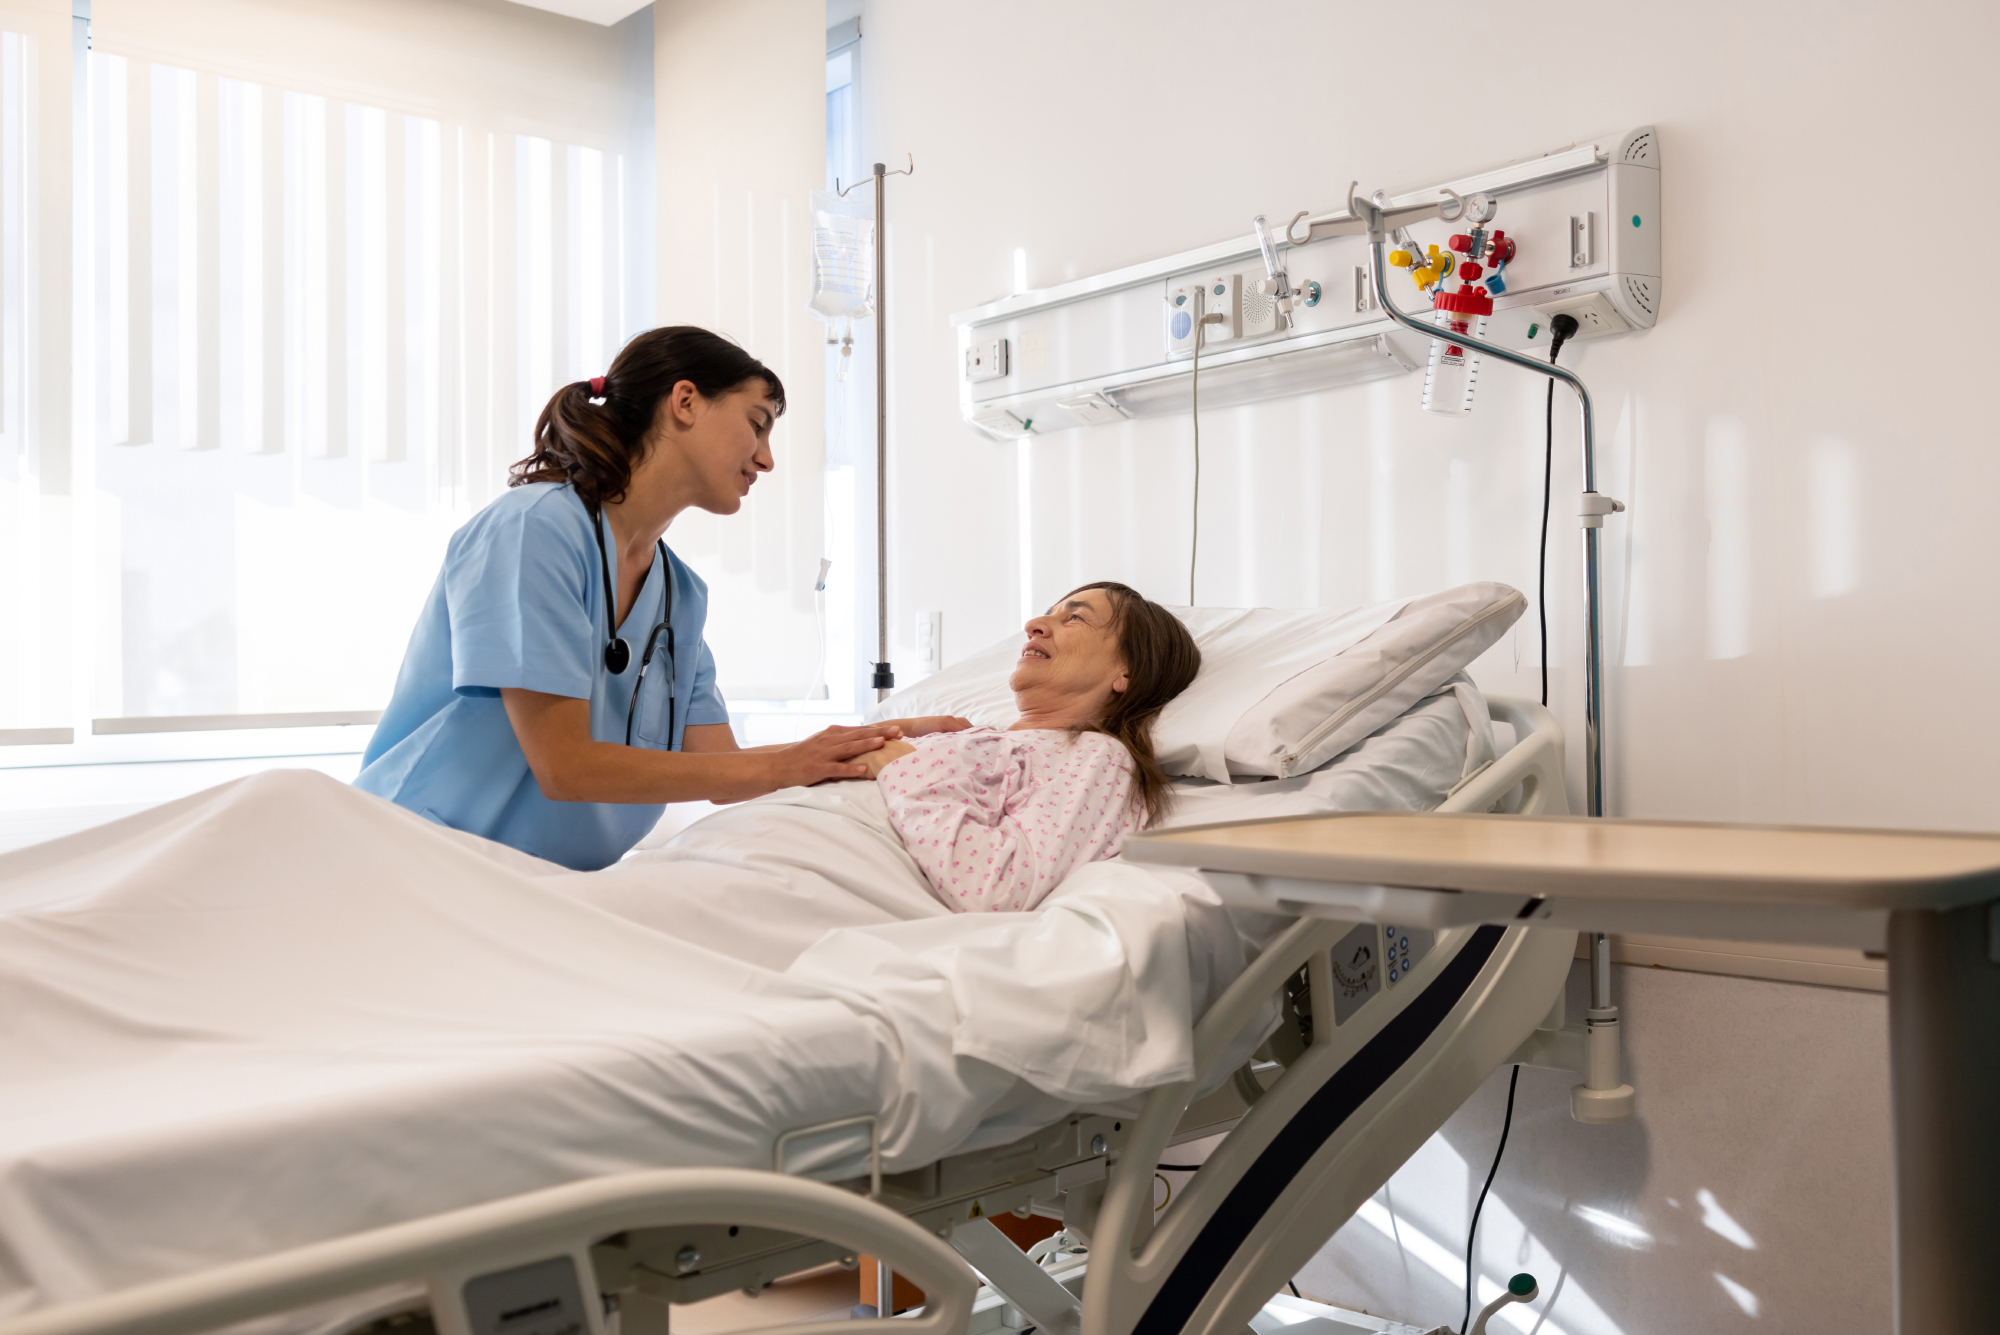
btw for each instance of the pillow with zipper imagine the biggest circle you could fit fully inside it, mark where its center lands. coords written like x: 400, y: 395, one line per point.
x: 1306, y: 719
x: 1246, y: 653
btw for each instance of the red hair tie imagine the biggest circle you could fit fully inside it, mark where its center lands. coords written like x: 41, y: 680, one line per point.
x: 597, y: 386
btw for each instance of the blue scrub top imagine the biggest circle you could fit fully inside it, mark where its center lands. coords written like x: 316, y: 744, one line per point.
x: 520, y: 603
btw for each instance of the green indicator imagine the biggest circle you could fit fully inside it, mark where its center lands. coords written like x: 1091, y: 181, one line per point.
x: 1534, y: 329
x: 1635, y: 220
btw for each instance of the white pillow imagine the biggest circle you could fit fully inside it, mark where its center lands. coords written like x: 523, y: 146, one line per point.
x: 1246, y: 653
x: 1309, y: 718
x: 1279, y: 692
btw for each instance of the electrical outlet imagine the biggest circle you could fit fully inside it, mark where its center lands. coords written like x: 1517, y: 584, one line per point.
x: 986, y: 360
x: 1594, y: 314
x: 930, y: 641
x: 1224, y: 297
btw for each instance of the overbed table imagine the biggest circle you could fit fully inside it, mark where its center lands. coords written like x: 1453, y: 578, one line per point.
x: 1931, y: 901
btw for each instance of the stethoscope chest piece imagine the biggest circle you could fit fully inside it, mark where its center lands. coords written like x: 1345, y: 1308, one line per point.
x: 617, y: 657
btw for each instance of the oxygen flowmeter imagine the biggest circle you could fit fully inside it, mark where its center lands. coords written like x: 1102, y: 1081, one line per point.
x: 1478, y: 260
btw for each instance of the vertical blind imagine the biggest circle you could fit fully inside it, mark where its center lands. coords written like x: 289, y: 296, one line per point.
x: 326, y: 302
x: 39, y: 657
x: 283, y: 288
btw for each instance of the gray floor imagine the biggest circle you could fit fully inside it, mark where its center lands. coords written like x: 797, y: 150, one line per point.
x: 1750, y: 1193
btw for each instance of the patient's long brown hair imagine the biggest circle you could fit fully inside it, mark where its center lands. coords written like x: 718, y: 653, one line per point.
x: 1160, y: 660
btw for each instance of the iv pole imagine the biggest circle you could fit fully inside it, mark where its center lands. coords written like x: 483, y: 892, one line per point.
x: 1375, y: 221
x: 885, y: 678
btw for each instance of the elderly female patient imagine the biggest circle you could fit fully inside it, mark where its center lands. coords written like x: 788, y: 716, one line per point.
x: 997, y: 818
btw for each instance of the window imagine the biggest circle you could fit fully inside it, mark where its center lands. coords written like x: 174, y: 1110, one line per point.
x: 39, y: 611
x: 328, y: 267
x: 316, y: 274
x: 322, y: 329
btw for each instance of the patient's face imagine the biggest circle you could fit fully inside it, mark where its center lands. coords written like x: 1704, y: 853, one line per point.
x: 1071, y: 663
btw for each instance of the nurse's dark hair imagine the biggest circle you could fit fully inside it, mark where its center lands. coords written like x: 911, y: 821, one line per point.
x: 593, y: 435
x: 1160, y: 661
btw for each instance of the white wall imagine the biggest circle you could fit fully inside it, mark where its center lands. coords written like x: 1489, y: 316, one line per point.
x: 1752, y: 608
x: 1799, y: 606
x: 733, y: 257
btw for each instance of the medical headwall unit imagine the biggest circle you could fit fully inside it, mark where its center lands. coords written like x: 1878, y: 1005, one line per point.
x: 1584, y: 221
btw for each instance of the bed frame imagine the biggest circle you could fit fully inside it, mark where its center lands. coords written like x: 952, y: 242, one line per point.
x: 1362, y: 1068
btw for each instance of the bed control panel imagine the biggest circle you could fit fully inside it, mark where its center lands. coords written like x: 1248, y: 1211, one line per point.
x: 1402, y: 947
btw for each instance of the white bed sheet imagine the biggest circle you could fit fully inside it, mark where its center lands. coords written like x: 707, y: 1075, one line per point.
x: 282, y: 1010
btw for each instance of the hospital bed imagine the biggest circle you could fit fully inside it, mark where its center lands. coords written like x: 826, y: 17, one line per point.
x: 1362, y: 1066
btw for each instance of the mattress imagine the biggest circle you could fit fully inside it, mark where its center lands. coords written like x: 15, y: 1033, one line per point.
x: 283, y: 1010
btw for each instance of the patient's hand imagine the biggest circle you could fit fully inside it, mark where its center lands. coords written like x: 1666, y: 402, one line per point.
x: 929, y: 724
x: 877, y: 761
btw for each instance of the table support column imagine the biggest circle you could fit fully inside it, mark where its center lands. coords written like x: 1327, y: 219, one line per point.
x: 1944, y: 1061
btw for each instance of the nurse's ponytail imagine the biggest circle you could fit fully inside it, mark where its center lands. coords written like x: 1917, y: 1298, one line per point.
x: 593, y: 433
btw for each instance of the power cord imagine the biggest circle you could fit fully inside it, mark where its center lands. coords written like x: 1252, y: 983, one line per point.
x: 1194, y: 414
x: 1561, y: 329
x: 1506, y: 1124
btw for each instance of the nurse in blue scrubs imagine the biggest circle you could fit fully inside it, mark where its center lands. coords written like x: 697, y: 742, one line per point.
x: 557, y: 691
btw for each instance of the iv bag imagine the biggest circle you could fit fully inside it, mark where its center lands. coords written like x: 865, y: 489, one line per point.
x: 843, y: 257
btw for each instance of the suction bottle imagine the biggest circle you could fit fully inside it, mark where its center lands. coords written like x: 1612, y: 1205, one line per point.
x: 1453, y: 373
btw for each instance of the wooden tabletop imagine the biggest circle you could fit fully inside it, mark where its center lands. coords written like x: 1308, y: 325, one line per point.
x: 1605, y: 858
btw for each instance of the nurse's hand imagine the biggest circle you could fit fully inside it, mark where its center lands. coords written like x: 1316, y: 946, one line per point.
x: 833, y: 753
x: 572, y: 766
x: 929, y: 724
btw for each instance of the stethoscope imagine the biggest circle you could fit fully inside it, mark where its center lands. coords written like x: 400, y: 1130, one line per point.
x: 618, y: 654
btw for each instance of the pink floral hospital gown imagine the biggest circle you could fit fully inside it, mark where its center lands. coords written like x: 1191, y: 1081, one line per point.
x: 998, y: 819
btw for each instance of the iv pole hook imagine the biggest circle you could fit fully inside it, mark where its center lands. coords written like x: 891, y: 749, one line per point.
x: 910, y: 170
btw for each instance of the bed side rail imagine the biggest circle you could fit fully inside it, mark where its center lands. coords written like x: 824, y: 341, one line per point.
x: 1460, y: 1014
x: 1337, y: 1123
x: 1533, y: 765
x: 532, y: 1253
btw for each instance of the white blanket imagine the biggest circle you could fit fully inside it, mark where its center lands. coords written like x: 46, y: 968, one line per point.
x: 283, y: 1010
